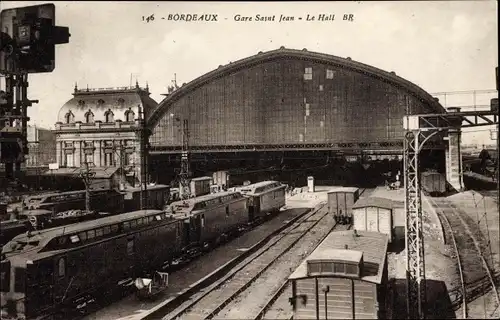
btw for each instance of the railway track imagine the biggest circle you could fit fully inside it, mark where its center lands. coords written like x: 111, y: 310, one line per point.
x: 225, y: 292
x: 475, y: 275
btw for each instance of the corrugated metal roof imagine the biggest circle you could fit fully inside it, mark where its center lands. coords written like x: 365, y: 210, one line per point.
x: 344, y: 189
x: 348, y: 64
x: 373, y: 245
x: 374, y: 202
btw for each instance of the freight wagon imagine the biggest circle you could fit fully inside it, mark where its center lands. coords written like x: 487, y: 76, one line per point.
x: 101, y: 201
x: 345, y: 277
x: 433, y: 183
x: 157, y: 197
x: 58, y: 269
x: 200, y: 186
x: 264, y: 198
x: 374, y: 214
x: 222, y: 179
x: 340, y: 202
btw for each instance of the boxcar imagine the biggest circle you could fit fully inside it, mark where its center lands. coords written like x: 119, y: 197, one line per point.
x: 200, y: 186
x: 157, y: 196
x: 263, y: 198
x: 345, y: 277
x: 209, y: 217
x: 374, y: 214
x: 47, y: 270
x: 433, y: 182
x: 102, y: 201
x: 340, y: 202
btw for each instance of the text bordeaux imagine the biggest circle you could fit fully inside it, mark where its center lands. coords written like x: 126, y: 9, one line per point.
x: 192, y: 17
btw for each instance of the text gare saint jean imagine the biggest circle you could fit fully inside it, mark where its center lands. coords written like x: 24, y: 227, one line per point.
x: 320, y: 17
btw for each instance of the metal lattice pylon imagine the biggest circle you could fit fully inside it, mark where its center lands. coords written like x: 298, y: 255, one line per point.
x: 415, y: 267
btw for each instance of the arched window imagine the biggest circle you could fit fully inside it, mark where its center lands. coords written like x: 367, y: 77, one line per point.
x: 129, y: 115
x: 89, y: 117
x: 121, y: 102
x: 69, y: 117
x: 109, y: 116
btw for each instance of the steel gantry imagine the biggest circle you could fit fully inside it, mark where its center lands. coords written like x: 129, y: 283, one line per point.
x: 419, y: 129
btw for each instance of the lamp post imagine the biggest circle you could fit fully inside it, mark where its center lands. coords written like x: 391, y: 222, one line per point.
x: 87, y: 176
x: 118, y: 150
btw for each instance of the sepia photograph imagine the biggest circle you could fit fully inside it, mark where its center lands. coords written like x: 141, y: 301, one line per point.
x: 186, y: 160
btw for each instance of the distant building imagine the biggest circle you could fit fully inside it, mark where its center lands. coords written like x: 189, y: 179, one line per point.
x: 101, y: 127
x: 41, y: 146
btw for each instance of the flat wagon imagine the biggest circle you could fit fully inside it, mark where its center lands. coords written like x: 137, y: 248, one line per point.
x: 340, y: 202
x: 345, y: 277
x: 374, y: 214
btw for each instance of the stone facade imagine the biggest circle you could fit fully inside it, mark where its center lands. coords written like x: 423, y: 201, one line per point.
x: 41, y: 146
x: 103, y: 127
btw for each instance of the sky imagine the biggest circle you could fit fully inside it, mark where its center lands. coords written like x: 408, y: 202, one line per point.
x: 441, y: 46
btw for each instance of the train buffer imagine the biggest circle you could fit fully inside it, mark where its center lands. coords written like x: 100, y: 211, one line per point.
x: 151, y: 288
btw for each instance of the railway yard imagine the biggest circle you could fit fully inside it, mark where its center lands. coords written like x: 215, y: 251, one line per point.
x: 257, y: 285
x: 288, y: 184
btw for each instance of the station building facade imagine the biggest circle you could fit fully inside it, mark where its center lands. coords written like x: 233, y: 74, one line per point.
x: 103, y: 127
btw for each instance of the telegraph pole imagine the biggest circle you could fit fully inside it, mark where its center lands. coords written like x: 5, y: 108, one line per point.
x: 87, y: 176
x: 143, y: 150
x: 185, y: 173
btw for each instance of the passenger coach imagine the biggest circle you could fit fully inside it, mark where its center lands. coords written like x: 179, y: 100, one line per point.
x: 54, y: 268
x: 210, y: 217
x: 263, y: 198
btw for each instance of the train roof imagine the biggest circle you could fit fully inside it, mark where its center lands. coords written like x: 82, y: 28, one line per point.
x: 149, y: 187
x: 201, y: 179
x: 254, y: 186
x: 374, y: 202
x: 372, y: 246
x: 205, y: 197
x: 44, y: 236
x: 35, y: 212
x: 344, y: 189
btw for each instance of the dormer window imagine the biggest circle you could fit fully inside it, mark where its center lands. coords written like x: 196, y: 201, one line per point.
x: 100, y: 102
x: 109, y: 116
x: 69, y: 117
x: 129, y: 115
x: 81, y: 103
x: 89, y: 117
x: 121, y: 102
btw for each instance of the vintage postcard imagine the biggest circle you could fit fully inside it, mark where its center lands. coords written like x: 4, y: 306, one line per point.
x: 249, y: 160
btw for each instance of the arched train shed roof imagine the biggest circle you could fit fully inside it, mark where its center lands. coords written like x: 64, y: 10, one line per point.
x: 284, y: 53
